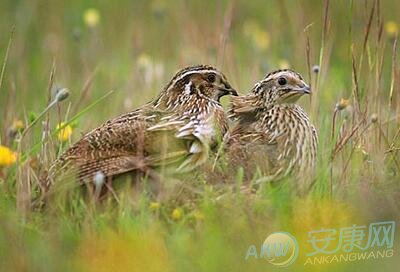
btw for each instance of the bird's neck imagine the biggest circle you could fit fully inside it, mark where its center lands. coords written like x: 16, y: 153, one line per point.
x: 183, y: 102
x: 210, y: 114
x: 282, y: 116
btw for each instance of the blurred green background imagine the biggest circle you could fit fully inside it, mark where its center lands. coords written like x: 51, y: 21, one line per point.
x: 134, y: 47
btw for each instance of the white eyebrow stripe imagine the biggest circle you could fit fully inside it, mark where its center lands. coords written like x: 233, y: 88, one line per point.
x: 188, y: 88
x: 279, y: 74
x: 190, y: 73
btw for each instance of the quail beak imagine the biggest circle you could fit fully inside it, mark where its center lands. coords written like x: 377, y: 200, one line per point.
x: 228, y: 90
x: 294, y: 94
x: 233, y: 92
x: 304, y: 89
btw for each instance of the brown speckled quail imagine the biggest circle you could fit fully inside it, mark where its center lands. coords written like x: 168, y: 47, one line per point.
x: 272, y: 133
x: 179, y: 127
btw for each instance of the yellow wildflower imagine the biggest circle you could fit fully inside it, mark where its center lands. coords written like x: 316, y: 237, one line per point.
x: 18, y: 124
x: 258, y: 36
x: 391, y: 28
x: 154, y: 206
x: 343, y: 103
x: 64, y: 132
x: 7, y: 156
x: 284, y: 64
x: 261, y: 39
x: 199, y: 216
x: 91, y: 17
x: 177, y: 214
x: 144, y: 61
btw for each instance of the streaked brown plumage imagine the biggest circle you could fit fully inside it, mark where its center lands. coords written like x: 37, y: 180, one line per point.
x: 271, y: 131
x: 179, y: 126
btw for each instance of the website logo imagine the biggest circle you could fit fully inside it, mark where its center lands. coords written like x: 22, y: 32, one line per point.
x: 280, y: 249
x: 353, y: 243
x: 328, y: 245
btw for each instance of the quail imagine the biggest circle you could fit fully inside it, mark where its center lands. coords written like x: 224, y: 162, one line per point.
x: 271, y: 133
x: 179, y: 127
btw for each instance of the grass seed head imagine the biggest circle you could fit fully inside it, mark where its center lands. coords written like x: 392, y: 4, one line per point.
x: 61, y: 94
x: 316, y: 69
x: 342, y: 104
x: 374, y: 118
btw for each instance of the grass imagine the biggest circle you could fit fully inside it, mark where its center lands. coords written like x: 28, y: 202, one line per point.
x: 134, y: 48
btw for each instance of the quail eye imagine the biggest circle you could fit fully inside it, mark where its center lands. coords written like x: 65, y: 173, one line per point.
x: 282, y: 81
x: 211, y: 78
